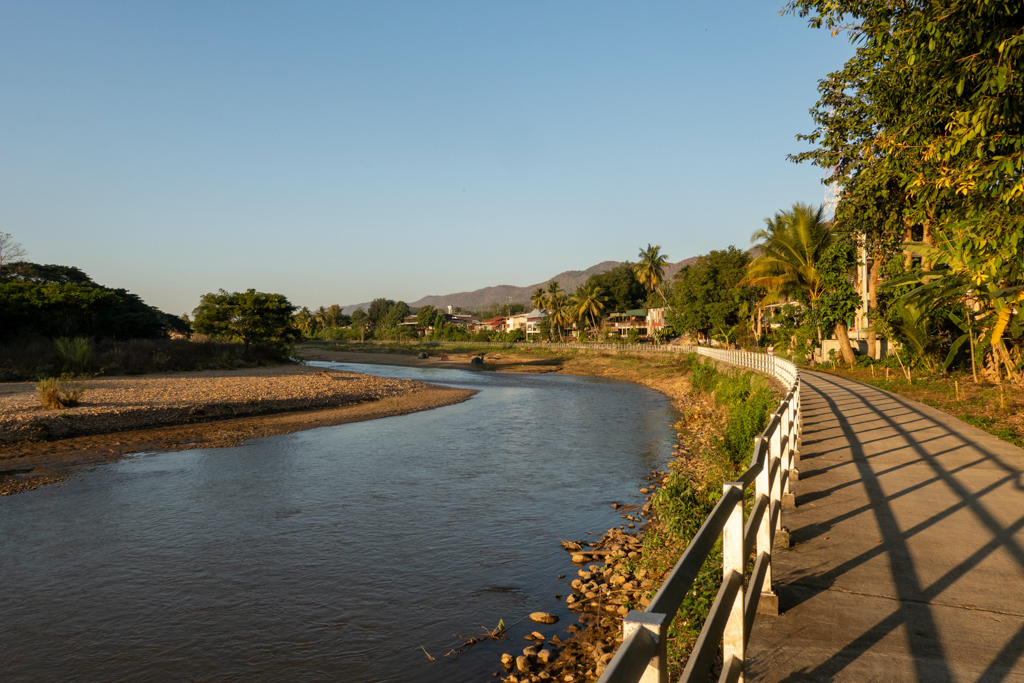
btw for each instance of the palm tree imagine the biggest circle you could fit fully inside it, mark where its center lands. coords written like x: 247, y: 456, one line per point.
x: 791, y: 246
x: 539, y: 298
x: 558, y: 310
x: 333, y: 315
x: 588, y: 302
x: 650, y: 270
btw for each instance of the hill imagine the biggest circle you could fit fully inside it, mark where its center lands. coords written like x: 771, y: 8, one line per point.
x: 482, y: 298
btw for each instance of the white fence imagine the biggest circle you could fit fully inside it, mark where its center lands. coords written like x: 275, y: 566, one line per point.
x: 642, y: 656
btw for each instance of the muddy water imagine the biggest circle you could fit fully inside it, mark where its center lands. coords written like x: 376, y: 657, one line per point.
x: 334, y: 554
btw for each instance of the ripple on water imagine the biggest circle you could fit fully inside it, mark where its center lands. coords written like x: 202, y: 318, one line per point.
x: 330, y: 554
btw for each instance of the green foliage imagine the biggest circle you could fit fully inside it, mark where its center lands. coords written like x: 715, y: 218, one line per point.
x: 379, y: 308
x: 248, y: 316
x: 707, y: 295
x: 838, y: 301
x: 62, y: 301
x: 76, y: 355
x: 425, y: 316
x: 622, y: 289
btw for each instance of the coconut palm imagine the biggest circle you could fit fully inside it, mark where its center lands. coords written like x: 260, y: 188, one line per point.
x: 650, y: 270
x: 588, y: 302
x: 539, y: 298
x: 792, y: 244
x: 554, y: 288
x: 558, y: 310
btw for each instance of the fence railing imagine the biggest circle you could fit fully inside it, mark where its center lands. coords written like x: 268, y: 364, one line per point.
x: 642, y: 657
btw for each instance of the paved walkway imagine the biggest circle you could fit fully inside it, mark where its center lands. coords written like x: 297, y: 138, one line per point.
x: 907, y: 561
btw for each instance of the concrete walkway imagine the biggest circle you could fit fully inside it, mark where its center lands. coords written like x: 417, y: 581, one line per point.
x: 907, y: 561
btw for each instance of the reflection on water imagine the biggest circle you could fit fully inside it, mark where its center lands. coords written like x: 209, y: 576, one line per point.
x: 331, y: 554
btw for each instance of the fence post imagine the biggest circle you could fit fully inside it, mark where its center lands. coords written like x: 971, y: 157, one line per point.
x: 769, y: 601
x: 788, y: 499
x: 733, y: 561
x: 657, y: 624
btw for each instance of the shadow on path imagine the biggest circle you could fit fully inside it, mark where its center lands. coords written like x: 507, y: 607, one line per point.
x: 908, y: 547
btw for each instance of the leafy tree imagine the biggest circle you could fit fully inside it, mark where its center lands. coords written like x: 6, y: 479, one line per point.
x: 839, y: 300
x: 361, y: 322
x: 620, y: 284
x: 62, y: 301
x: 248, y: 316
x: 927, y: 116
x: 396, y: 314
x: 425, y: 316
x: 378, y: 309
x: 707, y: 295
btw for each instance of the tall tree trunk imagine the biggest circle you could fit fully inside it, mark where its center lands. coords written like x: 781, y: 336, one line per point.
x: 843, y: 335
x: 908, y: 260
x: 873, y: 304
x: 929, y: 240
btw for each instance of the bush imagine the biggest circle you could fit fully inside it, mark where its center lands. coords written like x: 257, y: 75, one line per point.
x: 75, y: 355
x: 39, y: 359
x: 59, y: 393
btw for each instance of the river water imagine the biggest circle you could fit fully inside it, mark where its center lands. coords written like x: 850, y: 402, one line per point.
x: 333, y: 554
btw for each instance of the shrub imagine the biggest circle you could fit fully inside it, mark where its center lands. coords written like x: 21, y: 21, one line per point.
x: 59, y: 393
x: 75, y: 355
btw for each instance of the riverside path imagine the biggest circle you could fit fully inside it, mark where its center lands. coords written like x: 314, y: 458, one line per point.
x: 907, y: 555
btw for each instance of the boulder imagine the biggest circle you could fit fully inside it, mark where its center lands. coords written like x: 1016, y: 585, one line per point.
x: 543, y: 618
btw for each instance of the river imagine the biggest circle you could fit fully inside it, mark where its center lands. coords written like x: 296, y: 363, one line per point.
x: 341, y: 553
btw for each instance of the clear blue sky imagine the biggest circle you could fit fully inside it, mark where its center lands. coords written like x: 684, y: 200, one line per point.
x: 336, y: 152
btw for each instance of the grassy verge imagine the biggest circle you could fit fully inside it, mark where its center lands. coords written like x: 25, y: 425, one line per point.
x: 998, y: 410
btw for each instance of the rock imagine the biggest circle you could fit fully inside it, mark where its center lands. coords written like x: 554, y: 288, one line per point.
x: 530, y: 651
x: 618, y: 579
x: 422, y: 356
x: 543, y: 618
x: 585, y: 575
x: 544, y: 655
x: 537, y: 636
x: 507, y: 660
x: 522, y: 663
x: 644, y: 491
x: 578, y: 558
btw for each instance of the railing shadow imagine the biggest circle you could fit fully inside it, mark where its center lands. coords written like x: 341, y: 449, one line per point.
x: 854, y: 417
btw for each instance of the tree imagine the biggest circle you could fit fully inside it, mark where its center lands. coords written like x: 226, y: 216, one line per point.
x: 396, y: 314
x: 248, y: 316
x: 650, y: 270
x: 621, y: 286
x: 10, y: 251
x: 792, y: 247
x: 361, y: 322
x: 62, y: 301
x: 425, y: 316
x: 839, y: 300
x: 558, y: 311
x: 378, y: 309
x: 928, y: 112
x: 537, y: 300
x: 707, y: 295
x: 588, y: 302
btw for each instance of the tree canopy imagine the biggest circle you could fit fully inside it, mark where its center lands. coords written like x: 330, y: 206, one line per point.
x: 707, y: 295
x: 248, y: 316
x: 62, y: 301
x: 622, y: 289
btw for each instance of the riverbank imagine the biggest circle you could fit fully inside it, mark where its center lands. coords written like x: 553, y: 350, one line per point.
x: 210, y: 409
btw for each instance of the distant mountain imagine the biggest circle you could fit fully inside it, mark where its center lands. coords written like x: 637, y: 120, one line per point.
x: 503, y: 294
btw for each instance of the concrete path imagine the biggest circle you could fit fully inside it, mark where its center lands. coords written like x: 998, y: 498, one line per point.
x: 907, y: 561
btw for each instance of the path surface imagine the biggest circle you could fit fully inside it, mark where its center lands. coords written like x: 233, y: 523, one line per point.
x: 908, y: 548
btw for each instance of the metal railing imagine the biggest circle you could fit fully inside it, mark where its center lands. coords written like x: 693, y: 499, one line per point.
x: 642, y: 657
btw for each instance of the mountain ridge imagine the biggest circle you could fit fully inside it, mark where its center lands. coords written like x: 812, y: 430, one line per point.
x: 501, y: 294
